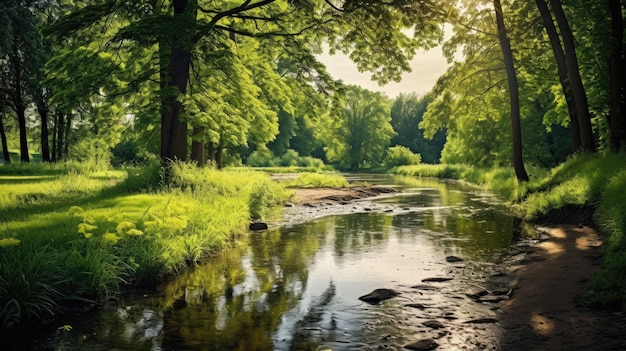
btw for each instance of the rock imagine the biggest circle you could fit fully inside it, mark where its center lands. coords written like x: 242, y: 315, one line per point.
x: 482, y: 320
x: 416, y: 305
x: 258, y: 226
x: 423, y: 345
x: 477, y: 295
x: 424, y: 287
x: 436, y: 279
x: 378, y: 295
x: 434, y: 324
x: 453, y: 259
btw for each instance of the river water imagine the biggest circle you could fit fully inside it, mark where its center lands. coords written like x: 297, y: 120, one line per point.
x: 297, y: 286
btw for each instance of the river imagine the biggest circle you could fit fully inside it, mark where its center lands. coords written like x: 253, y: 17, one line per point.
x: 297, y: 286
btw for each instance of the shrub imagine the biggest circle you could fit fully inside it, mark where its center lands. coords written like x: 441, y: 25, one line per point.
x: 261, y: 158
x: 401, y: 156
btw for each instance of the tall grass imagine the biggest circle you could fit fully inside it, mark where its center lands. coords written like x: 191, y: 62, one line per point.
x: 89, y: 234
x: 318, y: 180
x: 608, y: 288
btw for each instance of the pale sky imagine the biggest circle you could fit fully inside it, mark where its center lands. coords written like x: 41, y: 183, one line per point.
x: 427, y: 67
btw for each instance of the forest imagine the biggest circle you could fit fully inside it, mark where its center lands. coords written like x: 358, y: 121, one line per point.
x: 240, y: 83
x: 193, y: 92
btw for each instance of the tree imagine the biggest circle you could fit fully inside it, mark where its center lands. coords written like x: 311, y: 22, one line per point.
x: 617, y: 77
x: 407, y: 112
x: 372, y: 33
x: 19, y: 48
x: 361, y: 129
x: 505, y: 44
x: 573, y: 72
x: 559, y: 55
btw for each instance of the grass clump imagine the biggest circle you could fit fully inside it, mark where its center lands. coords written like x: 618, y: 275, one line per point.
x: 608, y: 288
x: 318, y: 180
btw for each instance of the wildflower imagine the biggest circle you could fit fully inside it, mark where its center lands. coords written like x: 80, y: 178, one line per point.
x: 124, y: 227
x: 9, y: 242
x: 84, y: 228
x: 111, y: 237
x: 134, y: 231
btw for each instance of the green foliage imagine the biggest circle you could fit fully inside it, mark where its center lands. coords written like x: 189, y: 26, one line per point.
x: 401, y: 156
x: 361, y: 129
x: 580, y: 181
x: 31, y: 283
x: 318, y: 180
x: 407, y: 112
x: 608, y: 288
x: 291, y: 158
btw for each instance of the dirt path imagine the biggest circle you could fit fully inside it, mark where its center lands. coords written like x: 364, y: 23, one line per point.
x: 543, y: 313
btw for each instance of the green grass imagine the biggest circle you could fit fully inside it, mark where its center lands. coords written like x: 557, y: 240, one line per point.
x: 288, y: 169
x: 318, y: 180
x: 593, y: 181
x: 90, y: 234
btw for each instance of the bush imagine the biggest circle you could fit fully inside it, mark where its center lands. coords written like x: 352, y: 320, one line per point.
x: 401, y: 156
x: 261, y: 158
x: 318, y: 180
x: 291, y: 158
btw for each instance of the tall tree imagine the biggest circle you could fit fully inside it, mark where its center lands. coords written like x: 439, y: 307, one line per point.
x: 361, y: 130
x: 561, y: 63
x: 573, y: 71
x: 505, y: 44
x: 617, y: 72
x: 373, y: 33
x: 18, y: 48
x: 407, y: 113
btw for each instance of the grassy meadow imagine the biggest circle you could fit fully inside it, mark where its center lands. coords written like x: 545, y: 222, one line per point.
x: 584, y: 184
x: 69, y: 234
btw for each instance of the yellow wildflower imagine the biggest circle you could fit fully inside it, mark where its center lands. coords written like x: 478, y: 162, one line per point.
x: 84, y: 228
x: 124, y: 227
x: 9, y: 242
x: 111, y: 237
x: 134, y: 231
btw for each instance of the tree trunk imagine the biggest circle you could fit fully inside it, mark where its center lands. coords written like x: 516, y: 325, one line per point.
x: 5, y: 146
x: 616, y: 64
x: 60, y: 128
x: 197, y: 146
x: 21, y: 119
x: 218, y: 156
x: 173, y: 127
x: 561, y: 65
x: 578, y: 90
x: 18, y: 105
x: 518, y: 162
x: 66, y: 136
x: 45, y: 133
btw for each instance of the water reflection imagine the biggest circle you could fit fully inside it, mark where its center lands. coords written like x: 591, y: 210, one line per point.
x: 297, y: 288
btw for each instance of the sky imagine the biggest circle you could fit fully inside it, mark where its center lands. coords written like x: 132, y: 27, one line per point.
x: 427, y: 67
